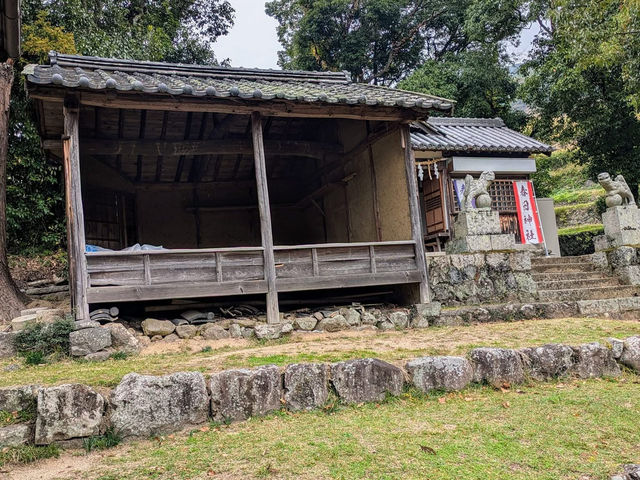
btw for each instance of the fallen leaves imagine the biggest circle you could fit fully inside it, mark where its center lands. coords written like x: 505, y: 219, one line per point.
x: 428, y: 450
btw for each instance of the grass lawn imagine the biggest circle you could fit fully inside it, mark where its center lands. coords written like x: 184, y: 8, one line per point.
x: 572, y: 430
x: 391, y: 346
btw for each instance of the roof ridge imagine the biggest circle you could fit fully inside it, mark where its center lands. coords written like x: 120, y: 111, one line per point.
x: 467, y: 121
x: 145, y: 66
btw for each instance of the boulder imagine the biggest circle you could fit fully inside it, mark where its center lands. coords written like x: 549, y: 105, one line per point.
x: 306, y: 386
x: 593, y: 360
x: 19, y: 323
x: 18, y: 399
x: 333, y: 324
x: 152, y: 327
x: 496, y: 366
x: 631, y: 353
x: 245, y: 322
x: 366, y: 380
x: 386, y: 325
x: 368, y: 318
x: 305, y: 323
x: 548, y: 361
x: 186, y: 331
x: 242, y: 393
x: 68, y: 411
x: 630, y: 472
x: 156, y: 338
x: 422, y: 313
x: 617, y: 346
x: 213, y: 332
x: 235, y: 330
x: 7, y: 344
x: 145, y: 405
x: 89, y: 340
x: 399, y: 319
x: 271, y: 331
x: 122, y: 339
x: 14, y: 435
x: 351, y: 315
x: 50, y: 315
x: 440, y: 373
x: 172, y: 337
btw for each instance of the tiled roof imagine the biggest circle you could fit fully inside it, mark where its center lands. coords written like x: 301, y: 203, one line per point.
x: 93, y: 73
x: 472, y: 135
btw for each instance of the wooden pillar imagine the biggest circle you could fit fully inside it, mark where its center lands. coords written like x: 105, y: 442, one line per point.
x: 414, y: 212
x: 75, y: 216
x: 273, y: 314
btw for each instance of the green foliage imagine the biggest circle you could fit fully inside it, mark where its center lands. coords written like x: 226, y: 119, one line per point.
x: 557, y: 172
x: 21, y: 416
x: 583, y: 97
x: 40, y: 37
x: 27, y: 454
x: 382, y: 41
x: 119, y: 355
x: 38, y: 340
x: 110, y: 439
x: 578, y: 240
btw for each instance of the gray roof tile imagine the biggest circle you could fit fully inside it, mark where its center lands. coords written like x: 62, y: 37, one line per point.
x: 96, y: 73
x: 472, y: 135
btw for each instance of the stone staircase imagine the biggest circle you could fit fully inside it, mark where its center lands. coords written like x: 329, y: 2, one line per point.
x: 570, y: 279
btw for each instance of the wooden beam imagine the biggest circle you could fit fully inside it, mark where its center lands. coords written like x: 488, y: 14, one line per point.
x: 295, y: 148
x: 275, y: 108
x: 74, y: 209
x: 414, y: 213
x: 273, y: 314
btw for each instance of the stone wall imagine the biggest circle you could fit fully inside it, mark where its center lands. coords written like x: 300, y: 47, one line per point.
x: 467, y: 279
x: 623, y: 262
x: 145, y: 406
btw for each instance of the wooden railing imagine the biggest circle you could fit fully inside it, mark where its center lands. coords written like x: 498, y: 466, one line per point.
x: 163, y: 274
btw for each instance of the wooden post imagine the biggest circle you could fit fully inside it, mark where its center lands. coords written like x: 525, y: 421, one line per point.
x: 273, y: 314
x: 75, y: 215
x: 414, y: 212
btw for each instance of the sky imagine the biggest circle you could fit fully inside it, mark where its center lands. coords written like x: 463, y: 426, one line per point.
x: 253, y: 42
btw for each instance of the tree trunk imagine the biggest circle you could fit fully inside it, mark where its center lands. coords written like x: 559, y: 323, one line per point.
x: 11, y: 299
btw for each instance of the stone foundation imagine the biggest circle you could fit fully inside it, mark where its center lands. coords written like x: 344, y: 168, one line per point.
x: 479, y: 231
x: 145, y: 406
x: 467, y: 279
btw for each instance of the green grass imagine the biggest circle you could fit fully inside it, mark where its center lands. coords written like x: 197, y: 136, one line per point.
x: 390, y: 346
x: 547, y: 431
x: 110, y: 439
x: 572, y: 196
x: 22, y: 416
x: 27, y: 454
x: 597, y: 227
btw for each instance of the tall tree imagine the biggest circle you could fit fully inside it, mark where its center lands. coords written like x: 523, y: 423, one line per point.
x: 382, y: 41
x: 580, y: 84
x: 11, y: 299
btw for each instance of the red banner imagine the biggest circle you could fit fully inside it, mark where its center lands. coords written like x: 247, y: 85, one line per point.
x: 528, y: 218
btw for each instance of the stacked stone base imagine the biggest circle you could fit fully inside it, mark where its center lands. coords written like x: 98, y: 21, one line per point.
x: 144, y: 406
x: 479, y: 231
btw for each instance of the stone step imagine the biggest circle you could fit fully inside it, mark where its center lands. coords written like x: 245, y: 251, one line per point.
x: 577, y: 283
x: 591, y: 293
x: 567, y: 276
x: 564, y: 267
x: 560, y: 260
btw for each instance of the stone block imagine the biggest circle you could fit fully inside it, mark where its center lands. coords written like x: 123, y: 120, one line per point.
x: 305, y: 323
x: 242, y: 393
x: 235, y: 330
x: 271, y: 331
x: 422, y: 313
x: 306, y: 386
x: 399, y: 319
x: 504, y: 241
x: 351, y: 315
x: 145, y: 405
x: 548, y: 361
x: 366, y: 380
x: 617, y: 346
x: 89, y: 340
x: 122, y: 339
x: 625, y: 237
x: 598, y: 307
x: 520, y: 261
x: 7, y: 344
x: 211, y: 331
x: 496, y: 366
x: 68, y: 411
x: 477, y: 222
x: 600, y: 260
x: 629, y: 304
x: 619, y: 219
x: 601, y: 243
x: 469, y: 244
x: 15, y: 435
x: 152, y: 327
x: 629, y: 275
x: 333, y: 324
x: 593, y: 360
x: 82, y: 324
x: 440, y: 373
x: 18, y: 399
x: 630, y: 356
x: 622, y: 257
x: 19, y: 323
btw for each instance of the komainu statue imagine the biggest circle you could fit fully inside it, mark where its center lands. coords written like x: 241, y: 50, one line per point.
x: 618, y: 192
x: 477, y: 190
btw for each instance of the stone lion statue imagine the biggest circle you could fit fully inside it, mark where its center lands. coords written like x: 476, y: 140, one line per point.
x: 618, y: 192
x: 477, y: 190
